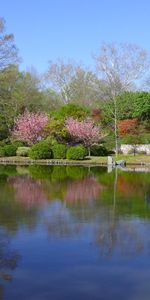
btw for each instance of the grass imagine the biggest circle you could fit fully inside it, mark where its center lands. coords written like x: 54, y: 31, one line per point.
x: 94, y: 160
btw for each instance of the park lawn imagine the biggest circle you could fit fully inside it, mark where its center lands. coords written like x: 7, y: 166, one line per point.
x: 95, y: 160
x: 131, y: 159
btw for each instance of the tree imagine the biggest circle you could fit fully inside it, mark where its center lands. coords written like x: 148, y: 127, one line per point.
x: 70, y: 110
x: 26, y: 91
x: 120, y: 66
x: 20, y: 91
x: 51, y: 100
x: 83, y: 131
x: 29, y: 127
x: 8, y: 78
x: 85, y: 88
x: 59, y: 75
x: 8, y: 50
x: 130, y: 105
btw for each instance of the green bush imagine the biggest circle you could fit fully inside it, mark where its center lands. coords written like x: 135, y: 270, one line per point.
x: 41, y: 150
x: 76, y: 153
x: 22, y: 151
x: 2, y: 151
x: 10, y: 150
x: 19, y: 143
x: 59, y: 151
x: 145, y: 138
x: 136, y: 139
x: 99, y: 150
x: 109, y: 141
x: 71, y: 110
x: 2, y: 143
x: 132, y: 139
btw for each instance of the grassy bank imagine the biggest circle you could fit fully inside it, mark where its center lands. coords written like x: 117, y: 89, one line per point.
x: 94, y: 160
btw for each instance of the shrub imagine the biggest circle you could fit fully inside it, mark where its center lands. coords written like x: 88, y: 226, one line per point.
x: 41, y: 150
x: 128, y: 126
x: 19, y: 143
x: 22, y: 151
x: 2, y: 152
x: 99, y: 150
x: 109, y: 142
x: 2, y: 143
x: 131, y: 139
x: 59, y: 151
x: 76, y: 153
x: 145, y: 138
x: 10, y: 150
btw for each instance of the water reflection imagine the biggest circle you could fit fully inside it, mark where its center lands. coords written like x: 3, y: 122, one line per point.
x: 28, y: 192
x: 59, y: 221
x: 8, y: 260
x: 84, y: 190
x: 75, y: 217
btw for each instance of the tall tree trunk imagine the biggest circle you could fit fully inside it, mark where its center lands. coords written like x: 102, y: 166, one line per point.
x: 116, y: 129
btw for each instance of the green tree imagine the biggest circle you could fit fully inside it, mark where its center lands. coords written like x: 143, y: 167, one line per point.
x: 121, y: 66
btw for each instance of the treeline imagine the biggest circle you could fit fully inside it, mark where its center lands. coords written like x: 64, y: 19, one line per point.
x: 110, y: 94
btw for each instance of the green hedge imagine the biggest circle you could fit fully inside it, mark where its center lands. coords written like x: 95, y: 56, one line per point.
x: 76, y: 153
x: 2, y: 152
x: 59, y: 151
x: 10, y: 150
x: 41, y: 150
x: 99, y: 150
x: 22, y: 151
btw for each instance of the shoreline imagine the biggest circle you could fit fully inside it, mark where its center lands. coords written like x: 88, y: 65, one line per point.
x: 94, y: 161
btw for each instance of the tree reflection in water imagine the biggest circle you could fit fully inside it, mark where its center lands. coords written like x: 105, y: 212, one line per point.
x: 29, y: 192
x: 123, y: 237
x: 112, y: 219
x: 60, y: 222
x: 84, y: 190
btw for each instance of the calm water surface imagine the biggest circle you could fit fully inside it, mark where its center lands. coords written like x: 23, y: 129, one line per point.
x: 74, y: 233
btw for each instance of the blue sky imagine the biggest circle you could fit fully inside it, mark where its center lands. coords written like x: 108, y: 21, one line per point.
x: 73, y: 29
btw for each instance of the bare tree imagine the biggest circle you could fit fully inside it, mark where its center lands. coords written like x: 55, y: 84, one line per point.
x: 8, y: 50
x: 121, y: 66
x: 59, y: 76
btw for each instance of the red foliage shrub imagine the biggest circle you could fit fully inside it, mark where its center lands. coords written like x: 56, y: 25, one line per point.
x: 128, y: 126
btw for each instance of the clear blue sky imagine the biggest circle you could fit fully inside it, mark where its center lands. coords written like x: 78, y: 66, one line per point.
x: 49, y: 29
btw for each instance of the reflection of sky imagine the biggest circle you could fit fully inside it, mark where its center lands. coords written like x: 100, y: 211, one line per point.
x: 59, y: 266
x: 76, y: 251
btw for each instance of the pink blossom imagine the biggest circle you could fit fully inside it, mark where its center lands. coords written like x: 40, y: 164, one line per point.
x: 85, y: 132
x: 30, y: 126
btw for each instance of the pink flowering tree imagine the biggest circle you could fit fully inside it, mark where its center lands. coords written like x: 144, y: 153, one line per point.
x: 30, y: 127
x: 85, y: 132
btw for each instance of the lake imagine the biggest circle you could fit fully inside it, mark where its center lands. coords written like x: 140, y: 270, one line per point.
x: 74, y: 233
